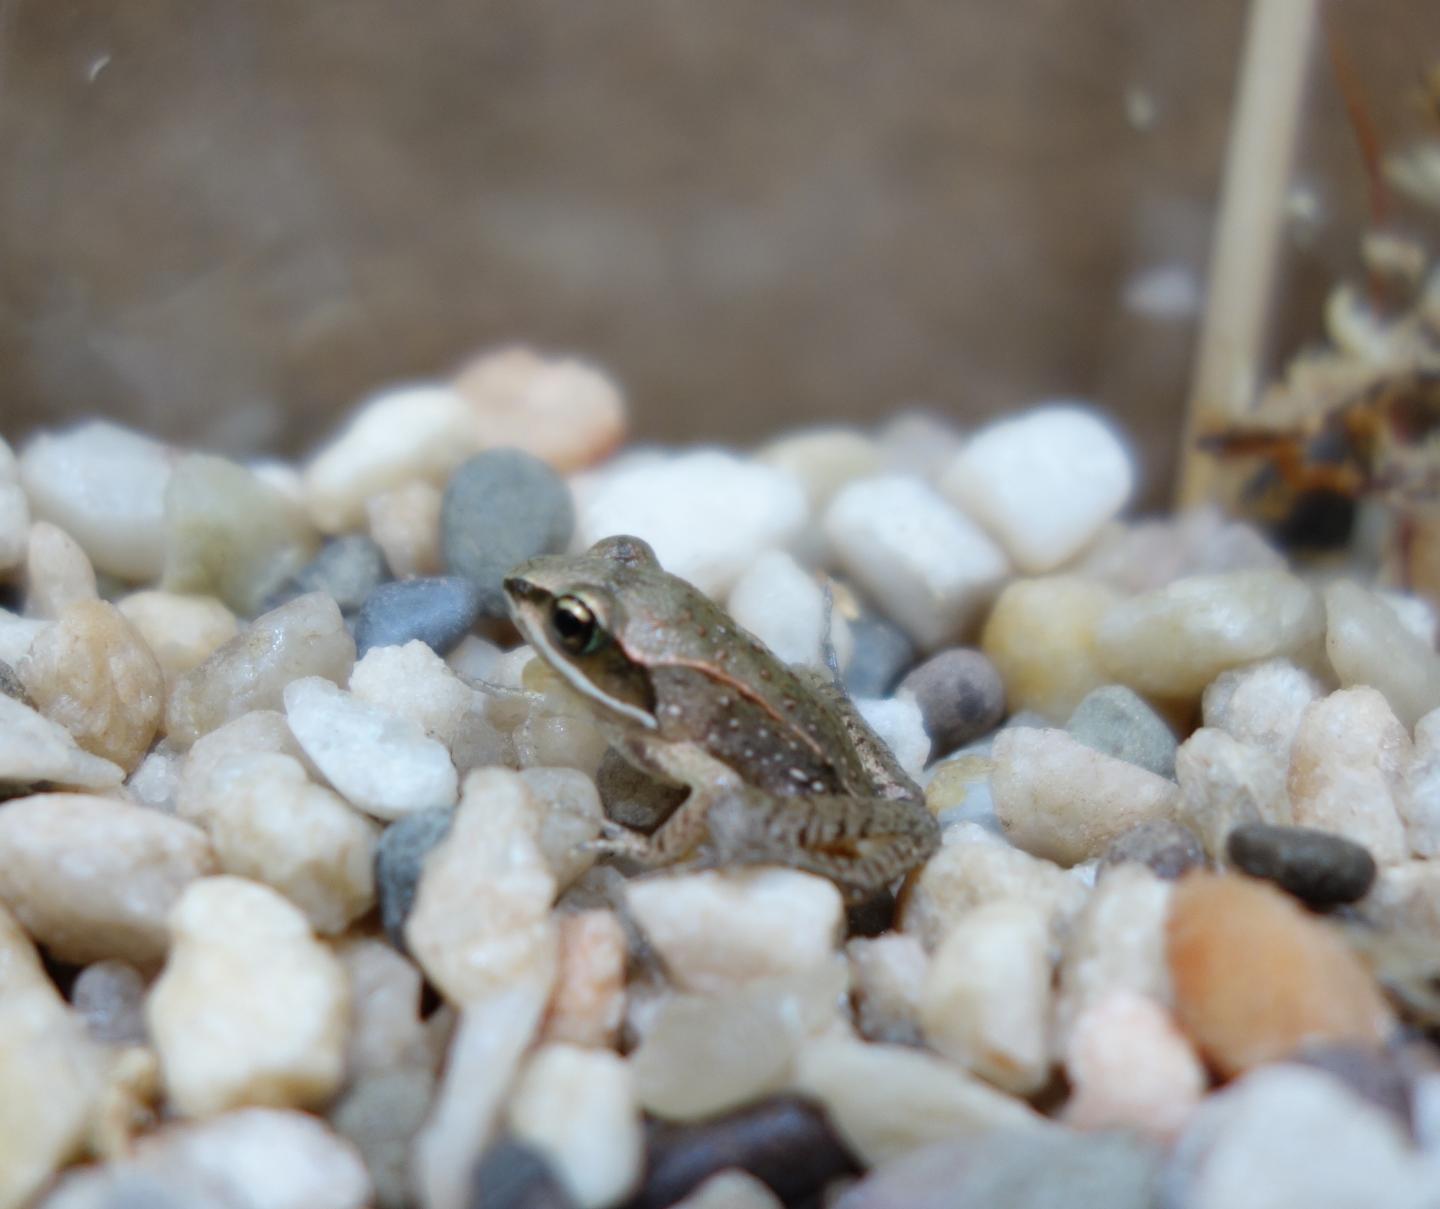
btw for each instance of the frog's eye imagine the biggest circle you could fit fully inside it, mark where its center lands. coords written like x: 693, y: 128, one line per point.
x: 574, y: 625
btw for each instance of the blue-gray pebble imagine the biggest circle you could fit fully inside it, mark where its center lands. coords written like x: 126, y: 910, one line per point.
x: 399, y: 858
x: 348, y: 569
x: 500, y: 508
x: 439, y: 611
x: 882, y: 654
x: 1113, y: 719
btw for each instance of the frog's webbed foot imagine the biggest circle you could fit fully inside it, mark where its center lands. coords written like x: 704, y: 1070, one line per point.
x: 675, y: 838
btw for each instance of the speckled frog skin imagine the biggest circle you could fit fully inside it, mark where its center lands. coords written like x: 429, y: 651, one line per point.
x: 781, y: 768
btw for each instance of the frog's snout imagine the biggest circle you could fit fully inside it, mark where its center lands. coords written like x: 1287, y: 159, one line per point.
x: 517, y: 587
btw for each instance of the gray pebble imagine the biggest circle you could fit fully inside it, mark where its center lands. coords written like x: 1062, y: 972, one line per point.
x: 110, y: 996
x: 11, y: 686
x: 439, y: 611
x: 500, y: 508
x: 960, y: 695
x: 1168, y: 849
x: 513, y: 1175
x: 632, y: 798
x: 1318, y: 868
x: 881, y: 656
x: 1113, y: 719
x: 399, y: 859
x: 347, y: 570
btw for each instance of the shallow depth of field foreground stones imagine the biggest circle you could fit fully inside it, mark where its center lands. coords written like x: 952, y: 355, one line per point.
x: 300, y: 906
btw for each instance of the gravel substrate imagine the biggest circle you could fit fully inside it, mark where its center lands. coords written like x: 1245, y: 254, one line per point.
x: 300, y: 906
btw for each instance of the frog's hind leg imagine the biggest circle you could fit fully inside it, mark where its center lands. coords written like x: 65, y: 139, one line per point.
x: 861, y: 844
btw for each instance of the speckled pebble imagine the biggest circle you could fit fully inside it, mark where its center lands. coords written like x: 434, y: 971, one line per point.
x: 960, y: 694
x: 1168, y: 849
x: 882, y: 653
x: 1319, y: 868
x: 1115, y: 720
x: 399, y: 858
x: 347, y: 569
x: 500, y: 508
x: 439, y: 612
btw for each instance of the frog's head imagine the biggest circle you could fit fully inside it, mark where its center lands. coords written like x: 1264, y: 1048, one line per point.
x: 570, y: 608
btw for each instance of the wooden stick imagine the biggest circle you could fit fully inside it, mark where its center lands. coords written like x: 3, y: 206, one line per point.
x: 1249, y: 230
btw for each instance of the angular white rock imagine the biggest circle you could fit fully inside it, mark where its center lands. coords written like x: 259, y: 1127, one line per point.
x: 261, y: 730
x: 386, y: 1031
x: 1406, y: 899
x: 1043, y: 482
x: 1419, y: 798
x: 57, y: 571
x: 105, y: 486
x: 380, y: 761
x: 986, y: 1002
x: 1290, y: 1135
x: 270, y: 824
x: 93, y: 877
x: 406, y: 433
x: 1261, y: 704
x: 17, y: 635
x: 34, y: 749
x: 1130, y: 1067
x: 887, y: 975
x: 928, y: 565
x: 975, y: 866
x: 571, y: 816
x: 1117, y: 944
x: 157, y: 781
x: 783, y: 605
x: 1174, y: 641
x: 1225, y: 783
x: 1347, y: 767
x: 414, y: 682
x: 481, y: 917
x: 1061, y: 800
x: 1368, y: 644
x: 251, y: 1009
x: 887, y: 1100
x: 899, y: 724
x: 719, y: 930
x: 719, y: 513
x: 577, y: 1107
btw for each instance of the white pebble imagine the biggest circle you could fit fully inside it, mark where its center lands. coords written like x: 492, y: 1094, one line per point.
x: 182, y: 631
x: 105, y: 486
x: 1172, y: 642
x: 719, y: 930
x: 1419, y: 798
x: 1043, y: 482
x: 783, y: 605
x: 33, y: 749
x: 402, y: 434
x: 1130, y: 1067
x: 929, y: 566
x: 1346, y: 771
x: 733, y: 1189
x: 379, y: 761
x: 1225, y: 783
x: 887, y: 1100
x: 986, y: 1002
x: 57, y: 572
x: 261, y: 730
x: 386, y: 1031
x: 577, y: 1107
x: 1368, y: 644
x: 414, y: 682
x: 481, y: 918
x: 719, y: 513
x: 1261, y: 704
x: 824, y: 459
x: 251, y: 1008
x: 887, y: 974
x: 405, y: 523
x: 1059, y: 799
x: 269, y: 823
x: 975, y: 866
x: 17, y: 635
x: 899, y: 724
x: 92, y: 877
x: 571, y: 816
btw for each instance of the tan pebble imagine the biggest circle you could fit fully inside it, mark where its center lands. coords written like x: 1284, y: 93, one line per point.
x: 181, y: 631
x: 887, y: 974
x: 1367, y: 643
x: 1041, y: 638
x: 405, y: 523
x: 261, y: 730
x: 92, y: 673
x: 57, y: 571
x: 1347, y: 769
x: 93, y: 878
x: 589, y: 999
x: 1255, y: 977
x: 1130, y: 1067
x: 564, y: 411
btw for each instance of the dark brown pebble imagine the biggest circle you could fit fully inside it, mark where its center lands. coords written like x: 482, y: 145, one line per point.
x: 1320, y: 869
x: 873, y: 916
x: 632, y: 798
x: 786, y: 1143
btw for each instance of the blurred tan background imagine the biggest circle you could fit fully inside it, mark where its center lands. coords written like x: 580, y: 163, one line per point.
x: 226, y: 222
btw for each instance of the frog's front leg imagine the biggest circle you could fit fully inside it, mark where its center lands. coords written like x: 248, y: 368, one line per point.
x: 861, y: 844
